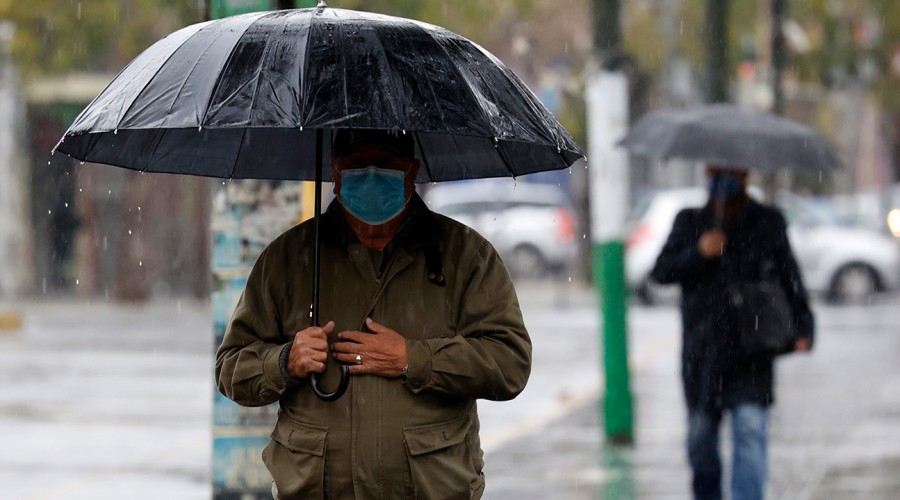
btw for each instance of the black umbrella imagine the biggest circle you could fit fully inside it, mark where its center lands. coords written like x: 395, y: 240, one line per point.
x: 259, y: 96
x: 726, y: 135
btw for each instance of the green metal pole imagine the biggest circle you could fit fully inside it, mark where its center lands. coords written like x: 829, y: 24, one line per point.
x: 609, y: 264
x: 607, y: 100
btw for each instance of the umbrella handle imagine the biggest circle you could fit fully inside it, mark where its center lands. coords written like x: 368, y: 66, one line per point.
x: 331, y: 396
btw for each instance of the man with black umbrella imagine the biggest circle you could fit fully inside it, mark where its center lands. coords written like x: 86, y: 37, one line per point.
x: 732, y: 240
x: 422, y: 309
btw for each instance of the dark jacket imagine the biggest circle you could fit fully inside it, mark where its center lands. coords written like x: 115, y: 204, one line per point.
x: 715, y: 373
x: 445, y: 289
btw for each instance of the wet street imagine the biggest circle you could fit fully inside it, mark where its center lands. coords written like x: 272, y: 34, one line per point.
x: 102, y: 401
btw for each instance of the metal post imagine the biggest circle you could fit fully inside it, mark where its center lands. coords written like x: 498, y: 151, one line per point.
x: 779, y: 57
x: 779, y: 54
x: 607, y: 99
x: 717, y: 50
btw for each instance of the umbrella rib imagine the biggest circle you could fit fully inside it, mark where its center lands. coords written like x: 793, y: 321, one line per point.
x: 463, y: 78
x: 155, y: 147
x: 304, y: 71
x: 215, y: 88
x: 238, y: 155
x: 418, y: 142
x: 483, y: 111
x: 256, y: 78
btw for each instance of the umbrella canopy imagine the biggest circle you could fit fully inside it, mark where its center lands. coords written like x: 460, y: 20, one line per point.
x: 260, y: 96
x: 726, y: 135
x: 243, y: 97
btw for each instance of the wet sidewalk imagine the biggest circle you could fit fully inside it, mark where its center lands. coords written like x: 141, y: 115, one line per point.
x: 101, y: 401
x: 834, y: 431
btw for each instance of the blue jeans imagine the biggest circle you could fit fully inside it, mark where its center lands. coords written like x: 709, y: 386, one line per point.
x: 748, y: 477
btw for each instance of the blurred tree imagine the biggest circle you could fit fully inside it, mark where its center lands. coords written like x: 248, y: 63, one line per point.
x: 57, y: 36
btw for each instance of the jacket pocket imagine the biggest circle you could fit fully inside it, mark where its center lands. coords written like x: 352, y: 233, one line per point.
x: 295, y: 456
x: 442, y: 462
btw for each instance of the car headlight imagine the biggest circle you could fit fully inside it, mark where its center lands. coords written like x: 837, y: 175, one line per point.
x: 893, y: 221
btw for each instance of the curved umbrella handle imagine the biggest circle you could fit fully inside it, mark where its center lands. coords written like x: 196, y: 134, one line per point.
x: 341, y: 388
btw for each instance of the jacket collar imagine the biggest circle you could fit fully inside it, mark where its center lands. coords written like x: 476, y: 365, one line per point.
x: 418, y: 230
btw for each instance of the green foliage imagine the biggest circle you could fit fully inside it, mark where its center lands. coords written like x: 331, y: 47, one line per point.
x: 56, y: 36
x: 473, y: 19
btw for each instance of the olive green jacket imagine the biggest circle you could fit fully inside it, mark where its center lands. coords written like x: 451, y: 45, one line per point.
x: 444, y: 289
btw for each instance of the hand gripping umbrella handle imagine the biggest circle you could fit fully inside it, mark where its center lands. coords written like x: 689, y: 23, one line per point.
x: 345, y: 370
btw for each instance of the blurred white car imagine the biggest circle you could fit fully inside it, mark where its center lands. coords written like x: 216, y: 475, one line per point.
x: 531, y: 225
x: 842, y: 263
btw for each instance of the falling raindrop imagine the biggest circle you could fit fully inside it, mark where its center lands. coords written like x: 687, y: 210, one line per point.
x: 116, y: 132
x: 77, y: 282
x: 44, y: 286
x: 66, y: 204
x: 140, y: 263
x: 129, y: 231
x: 200, y: 128
x: 49, y: 212
x: 570, y: 279
x: 48, y: 162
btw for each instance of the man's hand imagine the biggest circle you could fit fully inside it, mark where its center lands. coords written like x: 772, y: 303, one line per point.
x: 802, y: 345
x: 712, y: 244
x: 383, y: 352
x: 309, y: 351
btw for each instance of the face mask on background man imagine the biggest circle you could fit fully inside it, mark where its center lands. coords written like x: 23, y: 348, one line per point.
x: 724, y: 186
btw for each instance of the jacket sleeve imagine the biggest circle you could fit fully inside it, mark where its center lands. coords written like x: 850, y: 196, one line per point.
x: 247, y: 362
x: 792, y: 282
x: 490, y: 357
x: 680, y: 258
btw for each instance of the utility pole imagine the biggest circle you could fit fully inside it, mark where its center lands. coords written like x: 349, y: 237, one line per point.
x: 779, y: 54
x: 717, y: 50
x: 779, y: 57
x: 607, y: 100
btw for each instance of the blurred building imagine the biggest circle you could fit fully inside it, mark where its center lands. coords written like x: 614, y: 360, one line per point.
x: 14, y: 237
x: 106, y: 232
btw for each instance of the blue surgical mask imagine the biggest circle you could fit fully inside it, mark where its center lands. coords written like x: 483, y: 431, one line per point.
x: 724, y: 186
x: 373, y: 195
